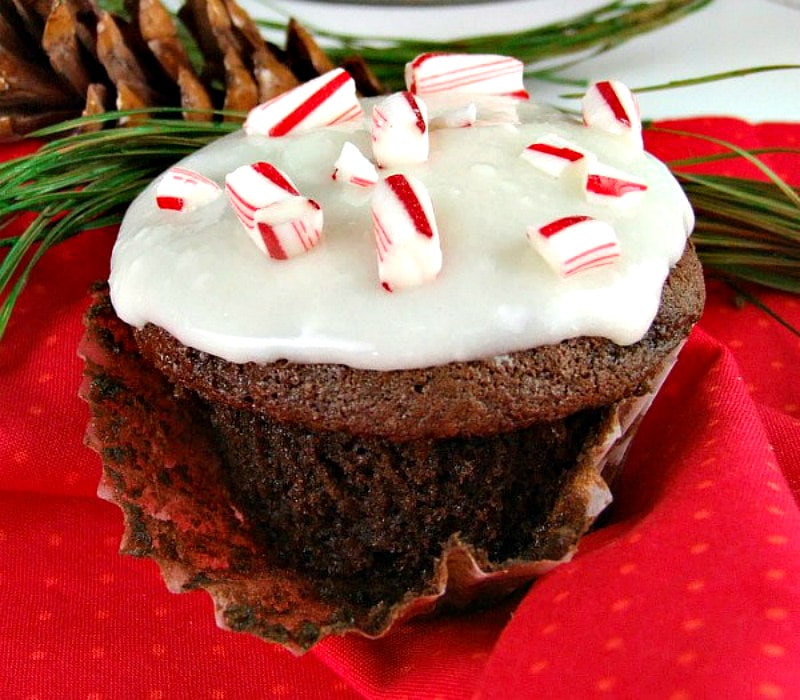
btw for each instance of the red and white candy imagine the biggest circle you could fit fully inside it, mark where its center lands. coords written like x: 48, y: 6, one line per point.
x: 255, y: 186
x: 288, y: 228
x: 354, y: 168
x: 556, y: 156
x: 184, y: 190
x: 458, y: 118
x: 485, y: 74
x: 399, y: 130
x: 611, y: 106
x: 327, y: 100
x: 406, y: 236
x: 607, y: 185
x: 575, y: 244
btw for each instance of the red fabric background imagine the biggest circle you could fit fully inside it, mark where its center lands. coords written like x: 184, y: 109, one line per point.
x: 691, y: 590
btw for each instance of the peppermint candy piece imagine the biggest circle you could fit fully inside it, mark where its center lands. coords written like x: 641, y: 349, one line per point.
x: 184, y: 190
x: 255, y: 186
x: 575, y: 244
x: 288, y: 227
x: 458, y: 118
x: 399, y: 130
x: 354, y: 168
x: 611, y: 106
x: 607, y: 185
x: 326, y: 100
x: 486, y: 74
x: 555, y: 155
x: 406, y: 236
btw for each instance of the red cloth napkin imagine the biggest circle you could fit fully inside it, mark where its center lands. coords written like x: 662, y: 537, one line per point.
x: 690, y: 590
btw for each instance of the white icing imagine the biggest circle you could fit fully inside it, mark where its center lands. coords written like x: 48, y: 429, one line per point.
x: 198, y: 275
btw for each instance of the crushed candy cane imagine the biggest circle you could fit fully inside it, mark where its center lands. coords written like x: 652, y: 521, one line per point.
x: 283, y: 223
x: 486, y: 74
x: 406, y: 235
x: 288, y: 227
x: 574, y: 244
x: 607, y: 185
x: 354, y: 168
x: 611, y: 106
x: 399, y: 130
x: 458, y: 118
x: 184, y: 190
x: 327, y: 100
x: 555, y: 155
x: 252, y: 187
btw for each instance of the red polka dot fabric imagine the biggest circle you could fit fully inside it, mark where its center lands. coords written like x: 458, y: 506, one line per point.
x: 690, y: 589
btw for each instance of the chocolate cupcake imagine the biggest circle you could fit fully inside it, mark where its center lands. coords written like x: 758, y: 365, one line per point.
x: 409, y: 340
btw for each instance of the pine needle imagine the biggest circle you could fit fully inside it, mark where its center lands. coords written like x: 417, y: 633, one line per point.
x: 755, y: 301
x: 697, y: 80
x: 80, y: 181
x: 745, y: 229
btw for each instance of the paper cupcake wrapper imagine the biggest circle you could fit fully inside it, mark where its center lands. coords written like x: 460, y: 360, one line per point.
x: 178, y: 512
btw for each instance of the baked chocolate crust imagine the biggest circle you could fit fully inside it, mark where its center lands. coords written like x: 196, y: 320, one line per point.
x: 366, y: 518
x: 458, y: 399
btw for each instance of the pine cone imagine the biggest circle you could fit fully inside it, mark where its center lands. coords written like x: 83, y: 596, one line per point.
x: 61, y: 59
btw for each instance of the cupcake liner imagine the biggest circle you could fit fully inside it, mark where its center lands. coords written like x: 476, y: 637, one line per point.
x: 161, y: 467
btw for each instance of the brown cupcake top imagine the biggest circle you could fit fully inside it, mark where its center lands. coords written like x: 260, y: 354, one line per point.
x: 461, y: 398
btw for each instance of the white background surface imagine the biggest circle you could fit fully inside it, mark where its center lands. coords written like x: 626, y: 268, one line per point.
x: 727, y: 35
